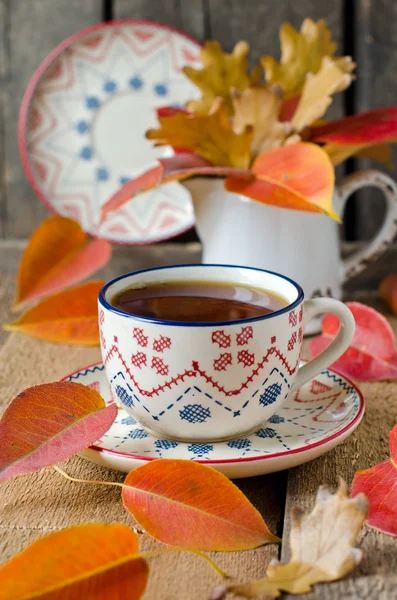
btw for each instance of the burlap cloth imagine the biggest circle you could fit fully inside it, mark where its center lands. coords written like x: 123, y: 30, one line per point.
x: 36, y: 504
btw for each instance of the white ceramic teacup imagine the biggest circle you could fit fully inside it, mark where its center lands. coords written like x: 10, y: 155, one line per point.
x: 211, y: 381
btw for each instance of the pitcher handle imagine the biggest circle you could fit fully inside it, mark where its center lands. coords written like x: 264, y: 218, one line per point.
x: 354, y: 264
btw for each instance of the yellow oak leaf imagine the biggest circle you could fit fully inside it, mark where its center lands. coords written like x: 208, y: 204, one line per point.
x: 301, y: 53
x: 259, y: 107
x: 322, y: 547
x: 209, y: 136
x: 220, y: 73
x: 317, y: 93
x: 338, y: 153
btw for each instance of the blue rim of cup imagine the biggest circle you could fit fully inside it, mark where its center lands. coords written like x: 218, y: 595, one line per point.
x: 105, y: 304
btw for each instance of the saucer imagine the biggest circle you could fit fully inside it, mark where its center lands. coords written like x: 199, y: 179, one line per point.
x: 314, y: 419
x: 83, y: 120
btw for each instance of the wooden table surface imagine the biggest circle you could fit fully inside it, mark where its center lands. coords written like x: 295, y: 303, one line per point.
x: 36, y: 504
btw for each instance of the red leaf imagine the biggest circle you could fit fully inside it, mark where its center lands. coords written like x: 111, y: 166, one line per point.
x: 169, y: 111
x: 372, y: 354
x: 379, y: 484
x: 48, y: 423
x: 178, y: 167
x: 192, y: 506
x: 288, y: 108
x: 375, y: 126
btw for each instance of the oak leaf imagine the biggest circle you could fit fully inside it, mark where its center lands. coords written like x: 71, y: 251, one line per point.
x: 68, y: 317
x: 301, y: 53
x: 48, y: 423
x: 59, y: 254
x: 259, y: 107
x: 209, y: 136
x: 298, y: 176
x: 322, y: 547
x: 379, y: 484
x: 185, y: 504
x: 220, y: 73
x: 372, y: 354
x: 95, y: 561
x: 317, y: 93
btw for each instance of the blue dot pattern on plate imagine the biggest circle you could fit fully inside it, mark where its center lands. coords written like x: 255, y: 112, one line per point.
x: 136, y: 83
x: 310, y: 419
x: 161, y: 89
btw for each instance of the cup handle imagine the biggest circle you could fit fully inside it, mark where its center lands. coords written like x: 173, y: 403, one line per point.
x: 319, y: 306
x: 357, y: 262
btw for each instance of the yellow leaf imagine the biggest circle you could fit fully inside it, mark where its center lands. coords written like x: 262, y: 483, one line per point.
x: 317, y: 93
x: 338, y: 153
x: 321, y: 546
x: 301, y: 53
x: 221, y: 72
x: 380, y: 152
x: 259, y: 107
x: 209, y: 136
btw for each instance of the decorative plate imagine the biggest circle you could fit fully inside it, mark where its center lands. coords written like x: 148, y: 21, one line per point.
x: 83, y: 120
x: 315, y: 419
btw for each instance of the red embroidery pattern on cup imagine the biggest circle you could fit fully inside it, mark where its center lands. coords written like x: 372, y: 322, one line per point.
x: 103, y: 341
x: 139, y: 360
x: 221, y: 338
x: 140, y: 337
x: 292, y: 341
x: 159, y: 366
x: 246, y: 358
x: 101, y: 317
x: 293, y: 318
x: 221, y: 363
x: 301, y: 314
x: 161, y: 344
x: 244, y: 336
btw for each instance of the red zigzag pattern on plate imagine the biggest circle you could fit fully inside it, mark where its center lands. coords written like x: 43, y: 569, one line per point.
x: 197, y: 371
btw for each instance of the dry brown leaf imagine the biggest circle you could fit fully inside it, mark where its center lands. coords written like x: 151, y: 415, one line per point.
x: 209, y: 136
x: 259, y: 107
x: 220, y: 73
x: 301, y: 53
x: 338, y: 153
x: 317, y: 93
x: 321, y: 547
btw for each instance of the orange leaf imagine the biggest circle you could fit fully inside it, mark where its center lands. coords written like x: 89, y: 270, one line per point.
x: 379, y: 484
x: 69, y: 317
x: 299, y: 177
x: 388, y: 291
x: 194, y: 507
x: 59, y: 254
x: 48, y: 423
x: 95, y: 561
x: 209, y: 136
x: 338, y: 153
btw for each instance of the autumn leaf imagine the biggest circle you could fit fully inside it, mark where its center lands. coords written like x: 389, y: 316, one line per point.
x: 220, y: 73
x: 380, y: 152
x: 322, y: 548
x: 68, y: 317
x: 259, y: 107
x: 58, y: 255
x: 209, y: 136
x: 379, y: 484
x: 301, y: 53
x: 48, y: 423
x: 176, y: 168
x: 317, y: 93
x: 372, y: 354
x: 95, y: 561
x: 388, y: 291
x: 372, y: 127
x: 299, y: 177
x: 185, y: 504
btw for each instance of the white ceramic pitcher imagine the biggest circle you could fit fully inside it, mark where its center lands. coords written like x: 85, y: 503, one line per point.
x: 304, y: 246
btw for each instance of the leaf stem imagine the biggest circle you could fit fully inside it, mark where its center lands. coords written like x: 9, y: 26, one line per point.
x: 91, y: 482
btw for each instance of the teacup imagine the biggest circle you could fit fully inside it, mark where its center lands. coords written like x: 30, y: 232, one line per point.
x: 201, y: 382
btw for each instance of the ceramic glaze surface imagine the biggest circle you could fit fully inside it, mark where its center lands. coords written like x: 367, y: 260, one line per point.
x: 83, y: 123
x: 314, y: 419
x: 207, y: 381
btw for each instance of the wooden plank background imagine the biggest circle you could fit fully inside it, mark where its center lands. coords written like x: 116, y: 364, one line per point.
x: 29, y: 29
